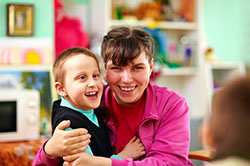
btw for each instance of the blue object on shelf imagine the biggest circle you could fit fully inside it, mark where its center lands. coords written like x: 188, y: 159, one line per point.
x: 161, y: 46
x: 188, y: 52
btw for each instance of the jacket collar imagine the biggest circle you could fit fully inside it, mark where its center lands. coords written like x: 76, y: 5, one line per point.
x: 150, y: 105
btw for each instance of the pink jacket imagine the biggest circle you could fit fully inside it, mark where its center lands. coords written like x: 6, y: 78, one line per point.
x: 164, y: 131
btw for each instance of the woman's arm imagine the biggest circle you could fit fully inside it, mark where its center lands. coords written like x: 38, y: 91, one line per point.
x: 62, y: 143
x: 170, y: 137
x: 85, y: 159
x: 170, y: 144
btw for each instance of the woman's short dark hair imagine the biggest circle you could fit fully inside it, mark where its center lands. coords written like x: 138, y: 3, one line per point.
x: 123, y: 44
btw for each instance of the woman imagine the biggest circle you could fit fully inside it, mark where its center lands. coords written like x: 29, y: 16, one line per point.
x: 157, y: 115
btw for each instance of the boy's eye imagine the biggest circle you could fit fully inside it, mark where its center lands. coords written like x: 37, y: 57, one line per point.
x: 82, y: 77
x: 96, y: 75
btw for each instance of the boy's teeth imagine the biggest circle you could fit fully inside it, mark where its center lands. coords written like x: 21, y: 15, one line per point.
x: 91, y: 93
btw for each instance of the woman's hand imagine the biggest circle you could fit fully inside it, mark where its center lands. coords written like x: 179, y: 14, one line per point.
x: 85, y: 159
x: 64, y: 143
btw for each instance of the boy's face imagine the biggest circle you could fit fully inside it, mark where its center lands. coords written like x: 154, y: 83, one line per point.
x: 82, y: 82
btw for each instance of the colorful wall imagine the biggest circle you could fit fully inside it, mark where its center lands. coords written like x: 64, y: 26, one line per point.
x: 44, y: 20
x: 35, y: 49
x: 29, y: 57
x: 226, y: 25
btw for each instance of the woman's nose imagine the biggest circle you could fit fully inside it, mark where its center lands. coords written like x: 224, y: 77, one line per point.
x: 126, y: 76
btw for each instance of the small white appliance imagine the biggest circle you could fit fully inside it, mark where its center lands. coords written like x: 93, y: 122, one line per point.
x: 19, y: 115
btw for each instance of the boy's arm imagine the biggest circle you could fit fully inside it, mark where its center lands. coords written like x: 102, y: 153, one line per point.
x: 134, y: 149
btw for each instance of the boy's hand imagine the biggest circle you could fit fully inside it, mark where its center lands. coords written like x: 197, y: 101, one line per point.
x: 134, y: 149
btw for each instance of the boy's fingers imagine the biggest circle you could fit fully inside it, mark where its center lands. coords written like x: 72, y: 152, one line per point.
x: 133, y: 139
x: 137, y: 140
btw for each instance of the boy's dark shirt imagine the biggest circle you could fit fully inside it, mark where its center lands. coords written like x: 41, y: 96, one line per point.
x: 100, y: 142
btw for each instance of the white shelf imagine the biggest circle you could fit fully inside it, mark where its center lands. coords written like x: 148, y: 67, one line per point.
x: 27, y: 67
x: 159, y: 24
x: 186, y: 79
x: 226, y: 65
x: 182, y: 71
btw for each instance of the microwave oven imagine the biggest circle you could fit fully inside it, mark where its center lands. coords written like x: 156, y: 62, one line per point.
x: 19, y: 115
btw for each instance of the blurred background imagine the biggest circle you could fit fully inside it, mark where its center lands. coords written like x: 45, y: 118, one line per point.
x: 200, y: 44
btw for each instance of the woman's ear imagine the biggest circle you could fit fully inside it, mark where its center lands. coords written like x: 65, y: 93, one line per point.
x: 59, y: 89
x: 151, y: 65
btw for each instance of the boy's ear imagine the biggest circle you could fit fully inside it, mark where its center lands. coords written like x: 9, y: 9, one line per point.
x: 104, y: 66
x: 105, y: 73
x: 105, y: 78
x: 206, y: 136
x: 59, y: 89
x: 209, y: 138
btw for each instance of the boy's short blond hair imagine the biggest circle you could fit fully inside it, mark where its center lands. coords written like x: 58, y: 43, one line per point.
x: 59, y: 70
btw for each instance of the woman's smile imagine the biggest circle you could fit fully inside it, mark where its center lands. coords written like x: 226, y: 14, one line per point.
x: 127, y: 89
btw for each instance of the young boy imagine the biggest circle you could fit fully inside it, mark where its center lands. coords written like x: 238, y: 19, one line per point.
x: 78, y: 82
x: 228, y: 129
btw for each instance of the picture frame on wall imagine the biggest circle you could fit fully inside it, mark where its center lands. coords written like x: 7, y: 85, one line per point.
x: 20, y: 20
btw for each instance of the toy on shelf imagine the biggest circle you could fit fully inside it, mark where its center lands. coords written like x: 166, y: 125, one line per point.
x: 148, y: 10
x: 158, y: 10
x: 210, y: 55
x: 174, y: 54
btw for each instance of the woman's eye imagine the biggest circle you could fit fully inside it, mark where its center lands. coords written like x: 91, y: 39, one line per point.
x: 138, y: 68
x: 115, y: 68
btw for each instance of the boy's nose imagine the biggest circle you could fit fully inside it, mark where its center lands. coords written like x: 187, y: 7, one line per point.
x: 91, y: 83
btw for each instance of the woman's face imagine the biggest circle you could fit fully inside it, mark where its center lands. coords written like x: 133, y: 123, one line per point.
x: 129, y: 82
